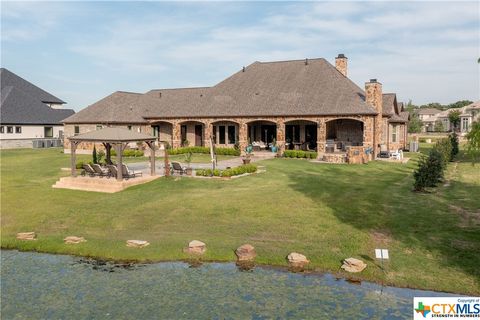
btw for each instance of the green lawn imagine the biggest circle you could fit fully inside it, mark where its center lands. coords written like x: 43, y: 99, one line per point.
x: 327, y: 212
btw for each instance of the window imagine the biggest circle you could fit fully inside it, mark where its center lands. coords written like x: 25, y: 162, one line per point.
x: 48, y: 132
x: 2, y: 129
x: 465, y: 124
x: 129, y: 127
x: 76, y: 130
x: 183, y: 135
x: 18, y: 129
x: 394, y: 132
x: 221, y: 133
x: 156, y: 131
x: 9, y: 129
x: 99, y: 127
x: 231, y: 134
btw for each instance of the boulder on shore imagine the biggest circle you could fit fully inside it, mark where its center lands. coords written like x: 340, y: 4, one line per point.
x: 196, y: 247
x: 297, y: 260
x: 26, y: 236
x: 137, y: 243
x: 353, y: 265
x: 74, y: 240
x: 245, y: 252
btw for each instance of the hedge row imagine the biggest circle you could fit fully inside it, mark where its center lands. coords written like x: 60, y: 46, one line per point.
x: 128, y: 153
x: 246, y: 168
x: 205, y: 150
x: 300, y: 154
x: 431, y: 169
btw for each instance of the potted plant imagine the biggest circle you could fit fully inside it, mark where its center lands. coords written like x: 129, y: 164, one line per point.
x: 274, y: 146
x: 248, y: 153
x: 188, y: 160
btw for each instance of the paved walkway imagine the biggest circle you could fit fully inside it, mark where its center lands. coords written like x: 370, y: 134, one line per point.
x: 144, y: 166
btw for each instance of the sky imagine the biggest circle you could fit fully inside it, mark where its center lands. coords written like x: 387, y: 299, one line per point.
x: 84, y: 51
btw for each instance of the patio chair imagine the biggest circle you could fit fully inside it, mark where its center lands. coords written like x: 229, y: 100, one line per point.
x: 87, y: 169
x: 384, y: 152
x: 113, y: 170
x: 102, y: 172
x: 128, y: 173
x: 178, y: 168
x: 397, y: 154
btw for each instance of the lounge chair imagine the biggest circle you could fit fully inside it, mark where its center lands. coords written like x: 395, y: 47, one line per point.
x: 384, y: 152
x: 127, y: 173
x: 87, y: 169
x: 102, y: 172
x: 178, y: 168
x: 113, y: 170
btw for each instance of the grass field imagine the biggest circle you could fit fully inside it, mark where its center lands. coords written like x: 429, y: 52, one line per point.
x: 327, y: 212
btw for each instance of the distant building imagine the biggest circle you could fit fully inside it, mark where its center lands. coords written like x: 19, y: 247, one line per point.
x: 468, y: 115
x: 28, y: 113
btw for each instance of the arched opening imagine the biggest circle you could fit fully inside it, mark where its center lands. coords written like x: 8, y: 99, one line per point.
x: 301, y: 135
x: 262, y: 134
x: 225, y: 133
x: 163, y: 131
x: 342, y: 133
x: 192, y: 133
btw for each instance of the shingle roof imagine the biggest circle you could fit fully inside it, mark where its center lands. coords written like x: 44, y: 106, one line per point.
x: 428, y: 111
x: 119, y: 107
x: 388, y: 104
x: 282, y: 88
x: 19, y: 107
x: 405, y: 115
x: 10, y: 79
x: 112, y: 134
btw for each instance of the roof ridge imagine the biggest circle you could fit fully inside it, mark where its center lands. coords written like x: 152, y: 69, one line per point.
x: 182, y: 88
x: 292, y: 60
x: 129, y: 92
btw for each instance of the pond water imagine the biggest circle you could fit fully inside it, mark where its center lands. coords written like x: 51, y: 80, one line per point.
x: 44, y: 286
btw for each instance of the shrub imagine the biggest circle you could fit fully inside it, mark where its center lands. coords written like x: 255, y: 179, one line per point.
x: 247, y: 168
x: 227, y: 151
x: 128, y: 153
x: 80, y: 164
x: 429, y: 171
x: 300, y: 154
x: 454, y: 142
x: 444, y: 147
x: 205, y: 150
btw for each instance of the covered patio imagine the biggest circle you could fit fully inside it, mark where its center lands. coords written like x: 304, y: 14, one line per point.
x: 111, y: 137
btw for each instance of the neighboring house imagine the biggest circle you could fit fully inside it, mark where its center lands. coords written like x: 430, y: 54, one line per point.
x: 428, y: 118
x: 468, y: 115
x: 28, y: 113
x: 300, y: 104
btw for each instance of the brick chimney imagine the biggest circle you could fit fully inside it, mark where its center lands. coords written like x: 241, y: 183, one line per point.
x: 374, y: 98
x: 341, y: 64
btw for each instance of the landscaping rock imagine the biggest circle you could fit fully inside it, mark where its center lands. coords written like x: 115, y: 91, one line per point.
x: 196, y: 247
x: 26, y: 236
x: 353, y: 265
x: 246, y: 252
x: 137, y: 243
x: 74, y: 240
x: 297, y: 260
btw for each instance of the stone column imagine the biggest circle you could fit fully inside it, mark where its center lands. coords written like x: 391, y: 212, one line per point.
x: 176, y: 135
x: 281, y: 135
x: 321, y: 136
x: 374, y: 98
x: 242, y: 135
x: 208, y: 133
x: 73, y: 146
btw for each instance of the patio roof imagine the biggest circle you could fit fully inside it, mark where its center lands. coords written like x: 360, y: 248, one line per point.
x: 112, y: 135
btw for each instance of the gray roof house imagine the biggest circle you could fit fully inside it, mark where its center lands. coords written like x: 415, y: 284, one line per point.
x: 28, y: 112
x: 304, y: 104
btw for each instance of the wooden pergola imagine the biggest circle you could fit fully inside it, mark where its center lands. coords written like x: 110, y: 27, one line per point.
x: 115, y: 137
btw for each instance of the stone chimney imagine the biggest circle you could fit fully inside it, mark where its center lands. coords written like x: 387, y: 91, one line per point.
x: 341, y: 64
x: 374, y: 98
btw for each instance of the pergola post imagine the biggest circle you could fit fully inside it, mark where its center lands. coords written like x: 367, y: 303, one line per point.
x: 73, y: 146
x: 151, y: 144
x: 119, y: 150
x: 108, y: 153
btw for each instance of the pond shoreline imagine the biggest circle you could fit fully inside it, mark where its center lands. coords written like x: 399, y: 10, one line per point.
x: 197, y: 262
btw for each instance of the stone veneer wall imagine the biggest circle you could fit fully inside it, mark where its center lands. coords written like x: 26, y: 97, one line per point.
x: 373, y: 97
x: 242, y: 122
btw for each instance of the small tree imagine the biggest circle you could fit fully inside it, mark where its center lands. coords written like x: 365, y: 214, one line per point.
x: 429, y: 171
x: 439, y: 127
x: 454, y: 142
x: 94, y: 155
x: 454, y: 118
x: 473, y: 142
x: 415, y: 124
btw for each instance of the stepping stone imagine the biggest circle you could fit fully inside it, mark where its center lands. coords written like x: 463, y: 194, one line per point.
x: 353, y: 265
x: 137, y: 243
x: 26, y: 236
x: 74, y: 240
x: 196, y: 247
x: 297, y: 260
x: 246, y: 252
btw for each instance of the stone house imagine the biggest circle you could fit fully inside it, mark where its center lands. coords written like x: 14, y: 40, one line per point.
x: 299, y: 104
x: 468, y: 115
x: 28, y: 114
